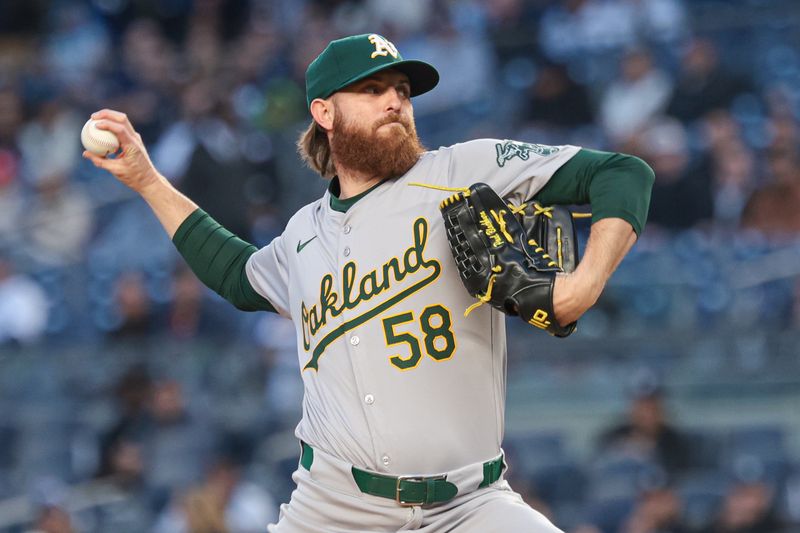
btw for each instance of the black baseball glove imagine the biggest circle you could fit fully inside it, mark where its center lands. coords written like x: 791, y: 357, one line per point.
x: 508, y: 256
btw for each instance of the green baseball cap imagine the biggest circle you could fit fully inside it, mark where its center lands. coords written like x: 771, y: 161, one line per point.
x: 345, y: 61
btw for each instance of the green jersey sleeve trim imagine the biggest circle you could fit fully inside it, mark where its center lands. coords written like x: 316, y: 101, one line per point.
x: 218, y: 258
x: 616, y: 185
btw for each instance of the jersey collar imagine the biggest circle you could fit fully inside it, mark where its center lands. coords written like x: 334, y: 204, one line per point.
x: 343, y: 205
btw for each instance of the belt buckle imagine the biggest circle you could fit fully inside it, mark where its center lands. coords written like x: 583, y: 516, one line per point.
x: 421, y: 479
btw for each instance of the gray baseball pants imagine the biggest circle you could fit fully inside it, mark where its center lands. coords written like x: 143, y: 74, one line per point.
x: 327, y: 500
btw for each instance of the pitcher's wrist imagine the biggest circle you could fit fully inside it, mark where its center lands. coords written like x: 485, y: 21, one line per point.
x: 153, y: 185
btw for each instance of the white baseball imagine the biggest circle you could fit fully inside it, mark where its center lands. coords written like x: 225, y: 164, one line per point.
x: 99, y: 142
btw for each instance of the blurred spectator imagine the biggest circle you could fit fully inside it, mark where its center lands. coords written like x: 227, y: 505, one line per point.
x: 261, y: 94
x: 59, y: 220
x: 784, y: 127
x: 224, y: 502
x: 203, y: 47
x: 171, y: 17
x: 512, y: 28
x: 772, y: 210
x: 118, y: 499
x: 22, y: 18
x: 732, y: 166
x: 136, y: 316
x: 748, y: 508
x: 147, y: 79
x: 177, y: 441
x: 173, y: 151
x: 74, y: 45
x: 634, y: 99
x: 657, y: 511
x: 591, y: 33
x: 526, y: 488
x: 556, y: 100
x: 719, y: 130
x: 464, y: 61
x: 121, y: 473
x: 157, y: 445
x: 404, y: 18
x: 783, y: 167
x: 647, y: 433
x: 147, y: 56
x: 733, y: 173
x: 223, y: 148
x: 11, y: 201
x: 662, y: 22
x: 283, y: 387
x: 23, y: 306
x: 256, y: 52
x: 125, y: 464
x: 703, y: 84
x: 682, y: 195
x: 791, y: 497
x: 586, y: 27
x: 52, y: 519
x: 132, y: 393
x: 585, y: 528
x: 49, y: 141
x: 191, y: 314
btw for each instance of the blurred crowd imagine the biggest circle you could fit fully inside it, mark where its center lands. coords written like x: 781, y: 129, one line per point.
x: 650, y: 475
x: 707, y: 92
x: 216, y: 89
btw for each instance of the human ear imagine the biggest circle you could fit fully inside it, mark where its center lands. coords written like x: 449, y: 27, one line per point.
x: 323, y: 112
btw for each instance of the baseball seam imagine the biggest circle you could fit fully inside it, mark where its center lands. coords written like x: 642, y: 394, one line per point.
x: 104, y: 143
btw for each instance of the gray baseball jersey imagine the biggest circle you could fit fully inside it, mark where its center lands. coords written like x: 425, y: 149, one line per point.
x: 396, y: 379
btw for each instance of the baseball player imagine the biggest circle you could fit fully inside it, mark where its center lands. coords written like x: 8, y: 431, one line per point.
x: 404, y: 395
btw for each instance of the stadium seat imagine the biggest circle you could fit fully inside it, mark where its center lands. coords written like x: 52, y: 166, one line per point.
x: 701, y: 493
x: 8, y: 437
x: 532, y: 450
x: 617, y: 476
x: 608, y: 515
x: 560, y: 483
x: 765, y: 441
x: 705, y: 448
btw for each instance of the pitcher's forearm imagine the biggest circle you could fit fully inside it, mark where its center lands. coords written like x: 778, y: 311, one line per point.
x: 170, y: 206
x: 609, y: 240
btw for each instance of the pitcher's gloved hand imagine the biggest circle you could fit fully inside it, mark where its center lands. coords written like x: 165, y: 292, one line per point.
x: 509, y: 256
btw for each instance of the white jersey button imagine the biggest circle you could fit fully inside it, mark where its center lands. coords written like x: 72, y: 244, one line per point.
x: 354, y: 340
x: 369, y: 399
x: 346, y: 251
x: 347, y: 229
x: 386, y: 460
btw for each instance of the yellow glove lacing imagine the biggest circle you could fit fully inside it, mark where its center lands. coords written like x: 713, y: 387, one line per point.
x: 500, y: 218
x: 487, y: 296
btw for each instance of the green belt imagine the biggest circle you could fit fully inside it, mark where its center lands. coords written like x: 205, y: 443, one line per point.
x: 409, y: 490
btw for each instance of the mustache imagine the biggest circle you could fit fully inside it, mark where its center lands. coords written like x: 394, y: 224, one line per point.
x: 390, y: 119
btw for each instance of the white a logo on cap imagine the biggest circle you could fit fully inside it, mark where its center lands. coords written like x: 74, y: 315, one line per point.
x: 382, y: 46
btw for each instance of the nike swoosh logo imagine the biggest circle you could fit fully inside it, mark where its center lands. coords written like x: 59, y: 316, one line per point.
x: 303, y: 245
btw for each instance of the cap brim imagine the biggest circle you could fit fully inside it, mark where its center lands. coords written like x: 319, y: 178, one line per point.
x: 421, y: 75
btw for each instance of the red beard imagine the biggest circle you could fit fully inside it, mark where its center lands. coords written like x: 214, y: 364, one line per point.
x: 389, y: 153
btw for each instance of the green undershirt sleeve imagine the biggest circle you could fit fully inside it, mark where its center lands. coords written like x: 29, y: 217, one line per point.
x: 616, y: 185
x: 218, y: 258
